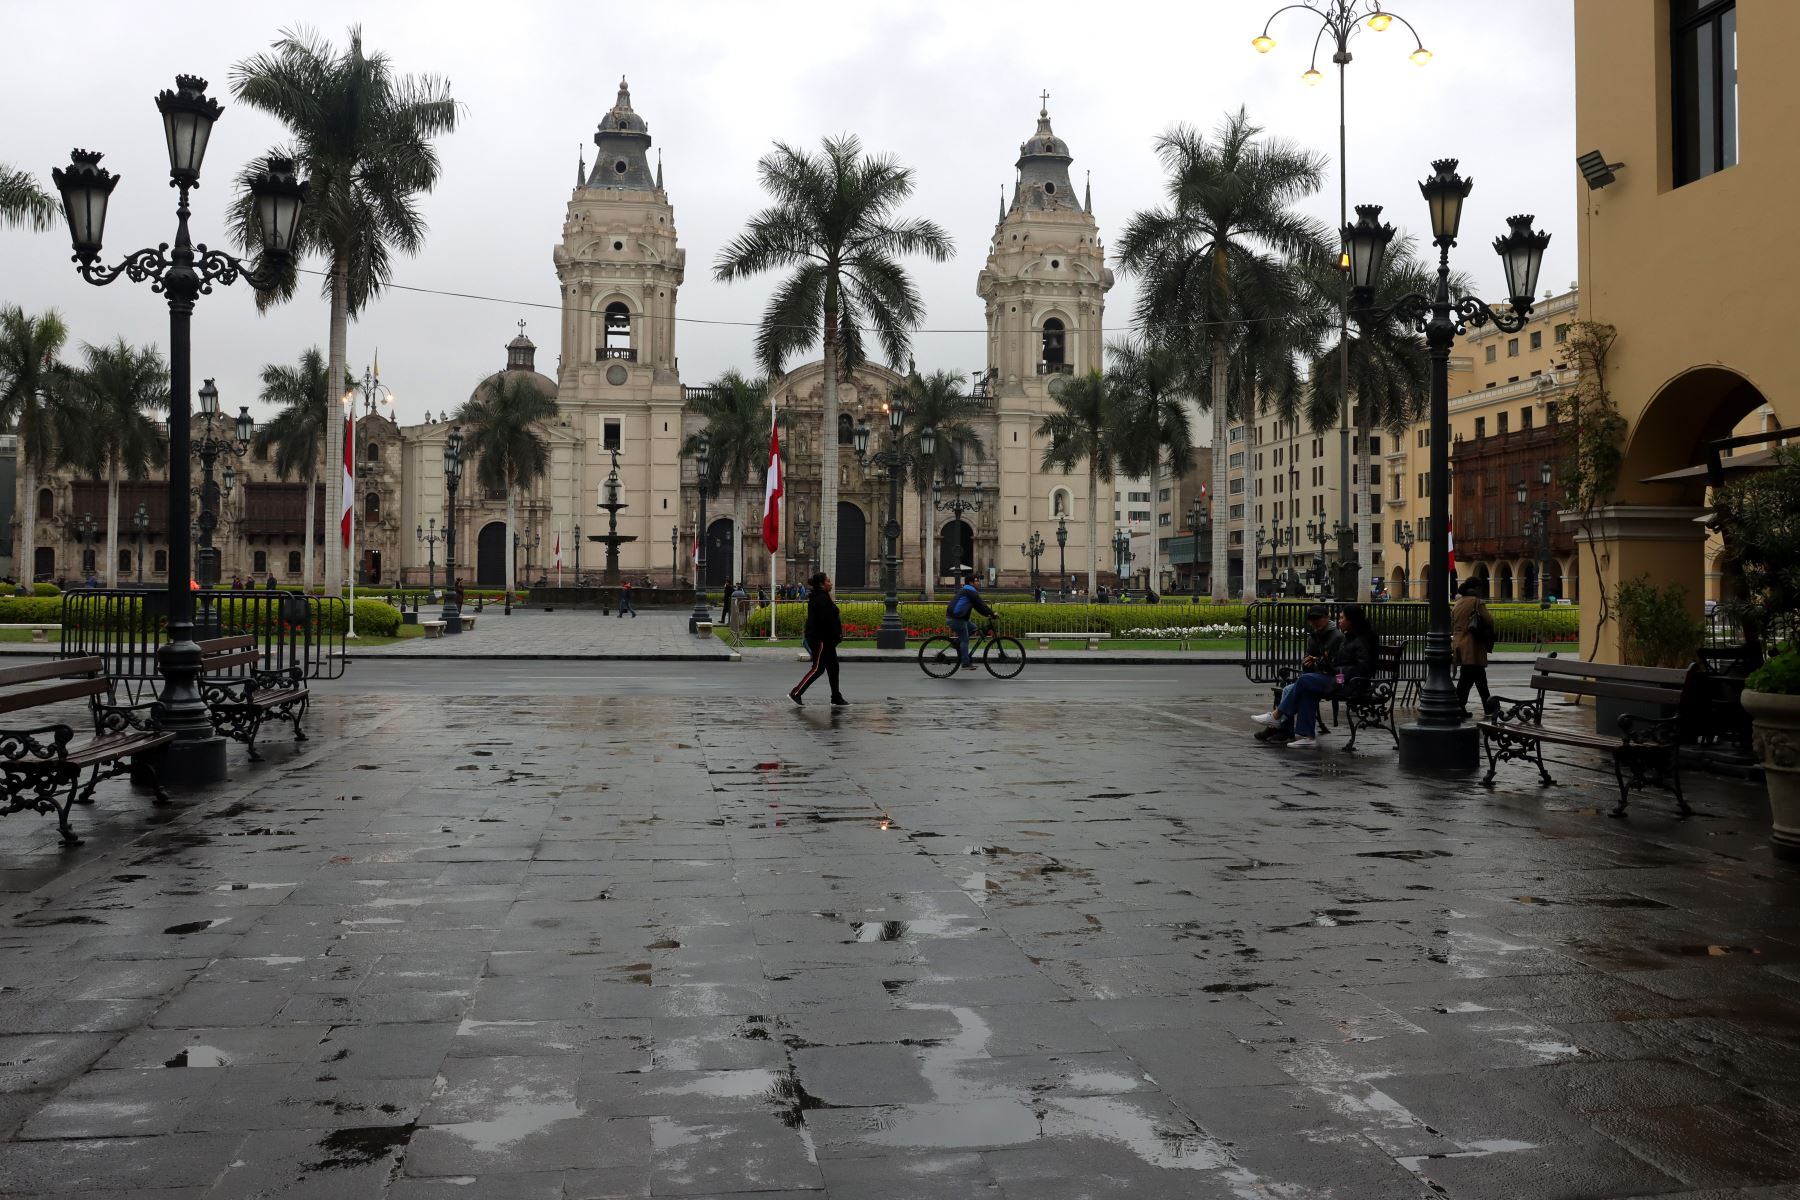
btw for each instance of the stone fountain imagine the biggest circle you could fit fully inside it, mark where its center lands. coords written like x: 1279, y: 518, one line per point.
x: 612, y: 539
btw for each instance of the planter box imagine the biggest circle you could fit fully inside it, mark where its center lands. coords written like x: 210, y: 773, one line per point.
x: 1776, y: 721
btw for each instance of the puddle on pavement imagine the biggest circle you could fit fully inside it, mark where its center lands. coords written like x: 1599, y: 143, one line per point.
x: 249, y: 887
x: 195, y: 926
x: 360, y: 1147
x: 198, y: 1056
x: 883, y: 931
x: 520, y: 1117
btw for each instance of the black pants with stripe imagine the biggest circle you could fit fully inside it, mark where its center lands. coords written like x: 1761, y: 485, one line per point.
x: 825, y: 661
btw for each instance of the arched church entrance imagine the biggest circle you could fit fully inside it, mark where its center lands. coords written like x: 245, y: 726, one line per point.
x: 956, y: 547
x: 718, y: 553
x: 490, y: 555
x: 852, y: 548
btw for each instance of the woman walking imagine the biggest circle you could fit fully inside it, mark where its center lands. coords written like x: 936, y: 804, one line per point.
x: 824, y: 630
x: 1471, y: 637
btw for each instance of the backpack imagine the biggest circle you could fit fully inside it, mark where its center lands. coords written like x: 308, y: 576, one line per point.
x: 960, y: 605
x: 1482, y: 631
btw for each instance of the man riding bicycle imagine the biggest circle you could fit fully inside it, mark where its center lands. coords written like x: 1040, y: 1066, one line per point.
x: 960, y: 612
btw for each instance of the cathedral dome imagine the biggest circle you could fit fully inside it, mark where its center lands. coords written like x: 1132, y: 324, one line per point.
x: 1043, y: 183
x: 623, y: 140
x: 521, y: 360
x: 621, y: 118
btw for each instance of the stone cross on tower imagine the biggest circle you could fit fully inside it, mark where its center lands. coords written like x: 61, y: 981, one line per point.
x: 1044, y: 99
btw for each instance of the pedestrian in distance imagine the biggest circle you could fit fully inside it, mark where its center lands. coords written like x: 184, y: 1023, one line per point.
x: 1472, y: 637
x: 960, y: 613
x: 625, y: 605
x: 824, y: 630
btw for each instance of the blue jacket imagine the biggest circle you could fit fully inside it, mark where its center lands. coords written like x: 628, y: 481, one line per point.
x: 967, y: 600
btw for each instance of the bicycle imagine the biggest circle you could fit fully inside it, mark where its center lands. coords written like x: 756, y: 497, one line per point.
x: 1004, y: 657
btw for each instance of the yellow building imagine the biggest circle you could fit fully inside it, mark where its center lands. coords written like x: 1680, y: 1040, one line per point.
x: 1685, y: 250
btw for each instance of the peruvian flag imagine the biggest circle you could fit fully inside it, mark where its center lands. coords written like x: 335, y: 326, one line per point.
x: 772, y: 495
x: 559, y: 551
x: 349, y: 474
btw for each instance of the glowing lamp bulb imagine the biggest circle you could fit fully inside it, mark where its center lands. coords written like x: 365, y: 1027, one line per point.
x: 1420, y: 57
x: 1263, y: 43
x: 1380, y: 21
x: 1312, y: 77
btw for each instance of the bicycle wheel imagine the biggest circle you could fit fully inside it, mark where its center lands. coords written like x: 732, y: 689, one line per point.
x: 937, y: 657
x: 1004, y: 657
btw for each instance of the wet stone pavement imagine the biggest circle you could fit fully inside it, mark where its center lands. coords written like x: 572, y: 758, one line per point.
x: 566, y: 947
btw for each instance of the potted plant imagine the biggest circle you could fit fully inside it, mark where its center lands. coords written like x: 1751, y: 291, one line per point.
x: 1759, y: 518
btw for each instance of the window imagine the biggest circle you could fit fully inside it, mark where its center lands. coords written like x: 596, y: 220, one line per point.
x: 162, y: 562
x: 1375, y: 505
x: 293, y: 562
x: 1375, y: 474
x: 1141, y: 516
x: 1524, y: 418
x: 259, y: 562
x: 610, y: 438
x: 46, y: 502
x: 1501, y: 420
x: 1537, y: 339
x: 1375, y: 447
x: 1318, y: 447
x: 1703, y: 72
x: 1490, y: 353
x: 1424, y: 486
x: 846, y: 430
x: 1138, y: 497
x: 1237, y: 487
x: 1562, y: 334
x: 1512, y: 347
x: 1162, y: 518
x: 1162, y: 495
x: 1236, y: 461
x: 373, y: 454
x: 1480, y: 427
x: 1549, y: 412
x: 124, y: 560
x: 1055, y: 342
x: 372, y: 508
x: 1236, y: 434
x: 1237, y: 512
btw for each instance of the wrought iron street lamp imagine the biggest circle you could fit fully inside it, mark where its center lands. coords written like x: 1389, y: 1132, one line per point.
x: 182, y: 274
x: 1062, y: 545
x: 1441, y: 737
x: 210, y: 443
x: 1340, y: 21
x: 84, y: 531
x: 1262, y: 539
x: 674, y: 556
x: 429, y: 538
x: 1318, y: 534
x: 1122, y: 556
x: 1033, y: 549
x: 1405, y: 537
x: 957, y: 506
x: 453, y: 472
x: 894, y: 458
x: 140, y: 524
x: 1537, y: 533
x: 702, y: 460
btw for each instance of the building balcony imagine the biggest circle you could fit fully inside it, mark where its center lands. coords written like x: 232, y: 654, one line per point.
x: 1062, y: 368
x: 1532, y: 385
x: 627, y: 353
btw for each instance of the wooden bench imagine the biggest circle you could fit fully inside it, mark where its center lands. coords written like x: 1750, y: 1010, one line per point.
x: 1093, y: 639
x: 40, y: 770
x: 1647, y: 747
x: 241, y: 706
x: 432, y: 628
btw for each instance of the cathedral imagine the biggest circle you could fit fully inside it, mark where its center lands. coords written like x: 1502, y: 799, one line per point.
x: 619, y: 268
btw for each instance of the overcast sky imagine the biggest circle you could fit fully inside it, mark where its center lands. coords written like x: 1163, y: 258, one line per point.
x: 950, y: 87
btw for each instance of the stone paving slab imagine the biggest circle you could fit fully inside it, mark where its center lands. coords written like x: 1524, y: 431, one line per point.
x: 705, y: 946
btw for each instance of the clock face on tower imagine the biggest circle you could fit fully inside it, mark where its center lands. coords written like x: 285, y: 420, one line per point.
x: 616, y: 375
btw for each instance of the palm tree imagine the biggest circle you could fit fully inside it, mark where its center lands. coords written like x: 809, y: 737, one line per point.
x: 501, y: 427
x: 115, y: 391
x: 362, y: 134
x: 1082, y: 430
x: 1220, y: 261
x: 941, y: 401
x: 1390, y: 373
x: 297, y: 432
x: 34, y: 387
x: 23, y: 202
x: 1152, y: 387
x: 736, y: 410
x: 833, y: 223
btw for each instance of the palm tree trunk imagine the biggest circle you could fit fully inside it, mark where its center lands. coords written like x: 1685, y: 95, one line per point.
x: 112, y: 522
x: 25, y: 564
x: 828, y: 442
x: 1093, y: 528
x: 1221, y: 451
x: 737, y: 534
x: 312, y: 514
x: 1365, y: 544
x: 511, y: 566
x: 336, y: 368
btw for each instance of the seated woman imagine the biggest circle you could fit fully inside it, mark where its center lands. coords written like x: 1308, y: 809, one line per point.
x: 1349, y: 674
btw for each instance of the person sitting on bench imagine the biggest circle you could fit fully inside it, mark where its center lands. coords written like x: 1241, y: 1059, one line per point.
x: 1323, y: 640
x: 1345, y: 674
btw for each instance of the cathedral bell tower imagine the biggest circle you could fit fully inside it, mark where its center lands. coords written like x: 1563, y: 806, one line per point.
x: 1044, y: 286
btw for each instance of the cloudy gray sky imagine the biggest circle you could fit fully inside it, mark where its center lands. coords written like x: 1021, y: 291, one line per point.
x: 950, y: 87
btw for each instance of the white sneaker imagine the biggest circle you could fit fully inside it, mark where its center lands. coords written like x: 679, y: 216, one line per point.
x: 1263, y: 718
x: 1303, y: 743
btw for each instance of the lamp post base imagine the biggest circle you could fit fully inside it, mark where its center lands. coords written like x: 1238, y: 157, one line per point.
x: 1439, y: 747
x: 192, y: 762
x: 890, y: 639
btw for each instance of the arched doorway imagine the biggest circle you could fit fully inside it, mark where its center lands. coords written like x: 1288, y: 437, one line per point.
x: 1487, y: 584
x: 1504, y: 578
x: 1528, y: 581
x: 1397, y: 589
x: 718, y: 553
x: 490, y: 555
x: 956, y: 547
x: 852, y: 547
x: 43, y: 563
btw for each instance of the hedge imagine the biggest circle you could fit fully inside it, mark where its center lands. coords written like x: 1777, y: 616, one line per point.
x: 36, y: 589
x: 372, y: 616
x: 30, y: 610
x: 1515, y: 622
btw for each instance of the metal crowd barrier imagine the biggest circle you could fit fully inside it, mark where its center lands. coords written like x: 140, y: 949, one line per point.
x: 127, y: 626
x: 1275, y: 635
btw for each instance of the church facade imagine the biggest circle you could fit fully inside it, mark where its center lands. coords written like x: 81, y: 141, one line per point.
x: 620, y: 266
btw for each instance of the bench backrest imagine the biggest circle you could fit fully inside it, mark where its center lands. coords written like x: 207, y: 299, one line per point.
x: 228, y: 653
x: 83, y: 676
x: 1683, y: 689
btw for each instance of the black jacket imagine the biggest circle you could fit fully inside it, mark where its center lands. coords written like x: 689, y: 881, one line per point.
x: 1356, y: 660
x: 823, y: 625
x: 1323, y: 647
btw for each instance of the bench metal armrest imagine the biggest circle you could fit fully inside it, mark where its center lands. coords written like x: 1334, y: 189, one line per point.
x: 1515, y: 711
x: 117, y: 718
x: 1660, y: 732
x: 30, y: 743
